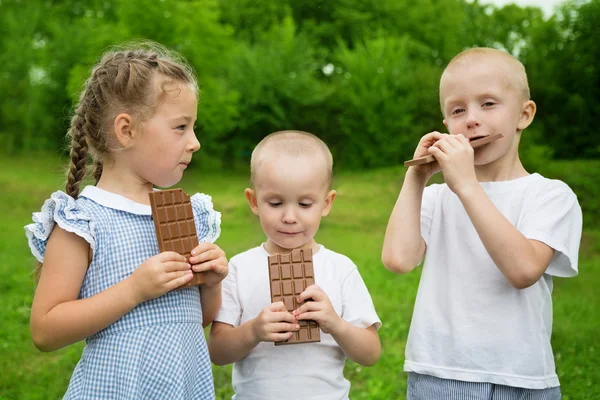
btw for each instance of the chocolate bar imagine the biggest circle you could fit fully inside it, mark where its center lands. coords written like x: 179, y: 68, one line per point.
x: 289, y: 275
x: 174, y: 223
x: 474, y: 144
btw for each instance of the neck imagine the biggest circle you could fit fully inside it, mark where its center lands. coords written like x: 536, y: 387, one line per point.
x: 507, y: 168
x: 117, y: 179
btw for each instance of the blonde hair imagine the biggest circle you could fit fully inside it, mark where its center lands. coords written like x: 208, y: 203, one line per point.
x: 292, y: 143
x: 517, y: 76
x: 123, y: 81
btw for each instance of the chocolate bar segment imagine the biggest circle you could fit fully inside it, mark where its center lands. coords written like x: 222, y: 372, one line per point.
x: 474, y: 144
x: 174, y: 222
x: 289, y: 275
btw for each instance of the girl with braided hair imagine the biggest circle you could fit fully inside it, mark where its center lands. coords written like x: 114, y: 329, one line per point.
x: 102, y: 280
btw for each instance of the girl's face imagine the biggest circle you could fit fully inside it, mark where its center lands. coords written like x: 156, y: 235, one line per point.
x: 167, y: 142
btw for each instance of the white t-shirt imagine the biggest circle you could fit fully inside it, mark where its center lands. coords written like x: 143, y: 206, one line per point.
x: 303, y: 371
x: 469, y: 323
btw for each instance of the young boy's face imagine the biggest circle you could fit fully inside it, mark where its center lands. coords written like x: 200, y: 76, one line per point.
x: 291, y: 195
x: 479, y: 98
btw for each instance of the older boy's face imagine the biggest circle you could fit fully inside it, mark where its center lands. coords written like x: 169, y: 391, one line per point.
x: 478, y: 100
x: 291, y: 195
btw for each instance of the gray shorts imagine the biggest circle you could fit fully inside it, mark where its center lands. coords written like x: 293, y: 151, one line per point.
x: 427, y: 387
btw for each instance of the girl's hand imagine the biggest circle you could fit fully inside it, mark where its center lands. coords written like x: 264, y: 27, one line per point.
x: 274, y: 324
x: 454, y: 154
x: 210, y: 258
x: 319, y: 309
x: 429, y: 169
x: 159, y: 275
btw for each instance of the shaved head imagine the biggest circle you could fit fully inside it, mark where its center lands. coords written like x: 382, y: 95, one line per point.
x: 514, y: 72
x: 291, y: 144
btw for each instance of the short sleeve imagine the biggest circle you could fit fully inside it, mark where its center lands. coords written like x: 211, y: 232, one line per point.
x: 427, y: 207
x: 556, y: 220
x: 63, y: 210
x: 231, y: 310
x: 357, y: 305
x: 208, y: 221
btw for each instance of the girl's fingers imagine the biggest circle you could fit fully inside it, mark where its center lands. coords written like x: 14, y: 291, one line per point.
x: 179, y: 278
x: 172, y: 266
x: 166, y: 256
x: 207, y: 255
x: 205, y: 266
x: 202, y: 247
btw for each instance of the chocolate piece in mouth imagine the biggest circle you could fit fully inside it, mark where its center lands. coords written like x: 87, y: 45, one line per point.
x: 475, y: 143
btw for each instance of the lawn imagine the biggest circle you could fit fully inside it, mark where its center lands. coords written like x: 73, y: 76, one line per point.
x: 355, y: 227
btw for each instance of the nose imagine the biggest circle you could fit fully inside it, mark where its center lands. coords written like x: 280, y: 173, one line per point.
x: 289, y: 216
x: 194, y: 144
x: 472, y: 120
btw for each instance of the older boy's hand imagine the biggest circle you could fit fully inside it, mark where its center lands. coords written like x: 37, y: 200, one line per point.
x: 429, y: 169
x: 274, y: 324
x: 319, y: 309
x: 209, y: 258
x: 455, y: 156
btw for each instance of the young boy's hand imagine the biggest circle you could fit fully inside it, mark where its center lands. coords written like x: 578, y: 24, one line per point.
x: 455, y: 155
x: 319, y: 309
x: 429, y: 169
x: 159, y: 274
x: 210, y: 258
x: 274, y: 324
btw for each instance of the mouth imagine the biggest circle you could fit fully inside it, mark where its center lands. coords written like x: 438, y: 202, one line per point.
x: 184, y: 164
x: 477, y: 137
x: 289, y: 233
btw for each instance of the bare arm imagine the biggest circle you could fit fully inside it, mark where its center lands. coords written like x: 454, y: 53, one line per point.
x: 58, y: 318
x: 361, y: 345
x: 228, y: 344
x: 521, y: 260
x: 403, y: 246
x: 210, y: 298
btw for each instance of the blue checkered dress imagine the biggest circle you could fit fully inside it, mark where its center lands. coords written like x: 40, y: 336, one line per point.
x: 156, y: 351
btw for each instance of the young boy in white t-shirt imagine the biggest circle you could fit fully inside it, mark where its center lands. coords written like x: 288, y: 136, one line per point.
x: 291, y: 190
x: 492, y: 236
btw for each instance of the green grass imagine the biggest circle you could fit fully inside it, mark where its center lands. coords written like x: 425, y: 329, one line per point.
x: 355, y: 227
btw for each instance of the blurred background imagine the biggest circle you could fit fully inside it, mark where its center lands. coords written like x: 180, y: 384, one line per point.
x: 361, y: 74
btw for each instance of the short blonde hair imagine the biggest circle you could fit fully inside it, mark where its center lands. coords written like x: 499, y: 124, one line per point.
x: 517, y: 76
x: 291, y: 143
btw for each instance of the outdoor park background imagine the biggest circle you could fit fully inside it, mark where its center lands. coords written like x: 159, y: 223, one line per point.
x: 362, y: 75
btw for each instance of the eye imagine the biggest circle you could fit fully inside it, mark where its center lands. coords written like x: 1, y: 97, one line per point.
x: 181, y: 127
x: 305, y: 205
x: 457, y: 111
x: 488, y: 104
x: 275, y: 204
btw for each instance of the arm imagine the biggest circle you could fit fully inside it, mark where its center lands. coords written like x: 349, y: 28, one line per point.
x: 403, y: 246
x: 58, y: 318
x: 210, y: 258
x: 228, y: 344
x: 521, y: 261
x: 361, y: 345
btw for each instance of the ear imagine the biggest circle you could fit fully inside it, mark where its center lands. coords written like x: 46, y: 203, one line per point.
x: 527, y: 113
x: 123, y: 127
x: 328, y: 202
x: 251, y: 196
x: 445, y: 123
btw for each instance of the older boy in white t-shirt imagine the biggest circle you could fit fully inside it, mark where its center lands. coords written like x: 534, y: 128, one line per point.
x: 492, y: 237
x: 291, y: 177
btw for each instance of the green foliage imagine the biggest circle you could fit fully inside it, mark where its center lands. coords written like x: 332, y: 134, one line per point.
x: 264, y: 66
